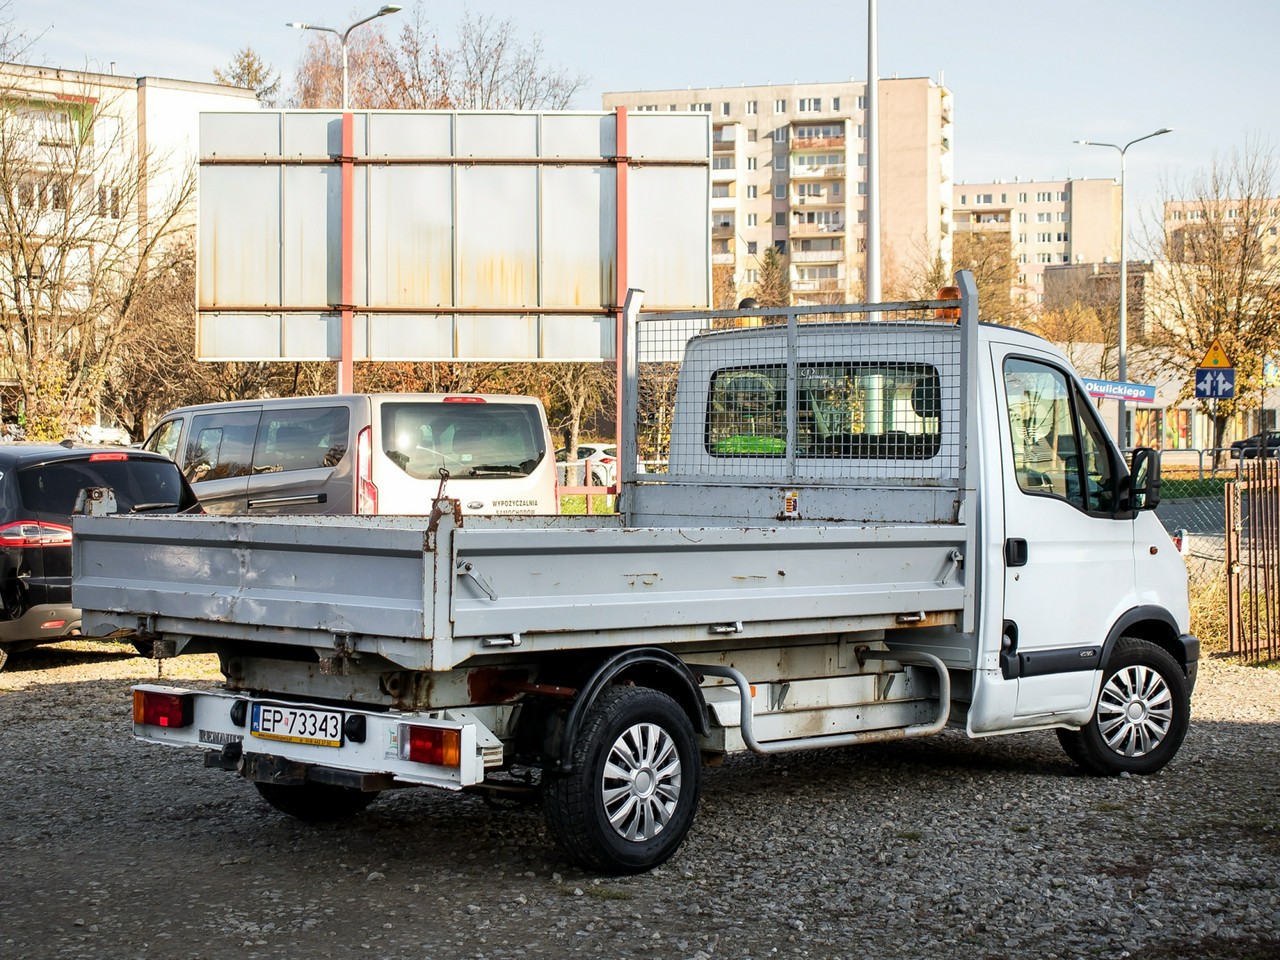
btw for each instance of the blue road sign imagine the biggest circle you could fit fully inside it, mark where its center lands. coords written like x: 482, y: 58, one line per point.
x: 1120, y: 390
x: 1215, y: 384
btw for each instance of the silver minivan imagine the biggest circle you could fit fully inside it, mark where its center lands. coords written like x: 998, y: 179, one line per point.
x: 364, y: 453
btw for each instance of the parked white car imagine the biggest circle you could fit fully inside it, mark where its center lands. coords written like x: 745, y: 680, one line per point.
x: 597, y: 465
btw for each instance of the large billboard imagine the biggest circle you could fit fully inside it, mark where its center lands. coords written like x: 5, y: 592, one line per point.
x: 470, y: 235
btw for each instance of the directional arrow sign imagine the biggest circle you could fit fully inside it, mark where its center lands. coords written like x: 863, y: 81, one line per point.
x: 1215, y: 383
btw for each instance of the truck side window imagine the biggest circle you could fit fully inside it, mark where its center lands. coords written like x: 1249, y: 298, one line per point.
x: 1059, y: 449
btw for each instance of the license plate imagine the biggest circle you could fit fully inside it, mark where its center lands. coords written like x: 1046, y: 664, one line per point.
x: 273, y: 721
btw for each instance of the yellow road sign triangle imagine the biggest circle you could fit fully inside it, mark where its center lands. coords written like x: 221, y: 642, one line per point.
x: 1215, y: 357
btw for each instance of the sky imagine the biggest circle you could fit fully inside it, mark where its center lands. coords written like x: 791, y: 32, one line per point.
x: 1028, y: 77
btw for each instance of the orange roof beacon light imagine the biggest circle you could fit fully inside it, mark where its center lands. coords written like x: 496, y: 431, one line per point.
x: 948, y: 313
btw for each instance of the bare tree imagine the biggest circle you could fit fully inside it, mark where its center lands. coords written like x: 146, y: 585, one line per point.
x: 495, y: 65
x: 990, y: 258
x: 78, y: 254
x: 1220, y: 276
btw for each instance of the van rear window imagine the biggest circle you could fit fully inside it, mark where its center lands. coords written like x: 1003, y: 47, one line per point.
x: 473, y: 440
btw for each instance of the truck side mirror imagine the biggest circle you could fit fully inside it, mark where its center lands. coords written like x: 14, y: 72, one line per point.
x: 1144, y: 479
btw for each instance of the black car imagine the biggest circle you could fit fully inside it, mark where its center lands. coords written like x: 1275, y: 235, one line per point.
x: 40, y: 484
x: 1266, y: 444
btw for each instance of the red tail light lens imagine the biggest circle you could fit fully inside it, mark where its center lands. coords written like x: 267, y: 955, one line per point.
x: 156, y: 709
x: 366, y: 492
x: 113, y: 455
x: 433, y: 745
x: 464, y: 399
x: 29, y: 533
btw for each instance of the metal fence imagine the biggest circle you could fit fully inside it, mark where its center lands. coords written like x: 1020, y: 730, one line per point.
x: 1252, y: 509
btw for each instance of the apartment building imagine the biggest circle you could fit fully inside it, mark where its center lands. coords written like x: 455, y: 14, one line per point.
x: 93, y: 168
x: 789, y: 170
x: 1047, y: 222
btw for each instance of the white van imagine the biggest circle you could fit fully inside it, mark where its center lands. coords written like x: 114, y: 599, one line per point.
x: 364, y: 454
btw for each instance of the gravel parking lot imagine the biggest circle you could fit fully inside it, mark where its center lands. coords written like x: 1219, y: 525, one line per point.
x: 941, y: 848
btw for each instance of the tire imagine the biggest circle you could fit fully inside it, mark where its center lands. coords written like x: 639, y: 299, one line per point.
x: 1141, y: 716
x: 316, y: 802
x: 597, y: 479
x: 633, y: 792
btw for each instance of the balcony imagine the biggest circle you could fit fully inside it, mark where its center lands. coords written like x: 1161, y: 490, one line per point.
x: 825, y: 200
x: 815, y: 143
x: 722, y: 258
x: 721, y: 229
x: 724, y: 138
x: 832, y: 171
x: 817, y: 286
x: 815, y: 229
x: 817, y: 256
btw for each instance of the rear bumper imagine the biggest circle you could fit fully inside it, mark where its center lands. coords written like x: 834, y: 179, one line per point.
x: 45, y: 623
x: 218, y: 724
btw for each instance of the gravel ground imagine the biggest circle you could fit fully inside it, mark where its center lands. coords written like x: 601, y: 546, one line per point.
x: 941, y: 848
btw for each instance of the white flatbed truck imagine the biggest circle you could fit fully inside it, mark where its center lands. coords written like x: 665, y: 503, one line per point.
x: 873, y: 524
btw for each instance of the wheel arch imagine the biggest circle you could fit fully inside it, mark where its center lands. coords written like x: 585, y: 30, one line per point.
x: 649, y: 667
x: 1156, y: 625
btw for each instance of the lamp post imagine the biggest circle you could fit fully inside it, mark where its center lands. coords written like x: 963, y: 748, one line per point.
x: 1121, y: 431
x: 342, y: 36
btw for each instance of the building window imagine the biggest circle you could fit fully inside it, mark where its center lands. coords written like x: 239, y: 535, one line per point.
x: 862, y: 188
x: 1062, y: 195
x: 1022, y: 198
x: 862, y: 130
x: 964, y: 199
x: 752, y: 192
x: 27, y: 194
x: 862, y: 159
x: 982, y: 198
x: 780, y: 135
x: 1044, y: 196
x: 751, y: 135
x: 780, y: 163
x: 1022, y: 218
x: 1022, y: 238
x: 780, y: 246
x: 1064, y: 237
x: 751, y: 276
x: 1064, y: 217
x: 779, y: 191
x: 810, y: 104
x: 835, y: 188
x: 1044, y: 257
x: 109, y: 202
x: 724, y: 109
x: 779, y: 106
x: 751, y: 247
x: 751, y: 163
x: 700, y: 107
x: 1044, y: 238
x: 779, y: 219
x: 1044, y: 218
x: 57, y: 196
x: 835, y: 103
x: 722, y: 163
x: 1004, y: 198
x: 720, y: 190
x: 862, y: 103
x: 752, y: 220
x: 751, y: 106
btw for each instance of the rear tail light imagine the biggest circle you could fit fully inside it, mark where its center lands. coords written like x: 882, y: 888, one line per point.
x: 366, y: 492
x: 156, y: 709
x: 53, y: 625
x: 29, y: 533
x: 464, y: 399
x: 112, y: 455
x: 434, y: 745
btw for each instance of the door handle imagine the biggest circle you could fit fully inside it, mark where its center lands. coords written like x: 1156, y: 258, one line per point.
x: 1015, y: 552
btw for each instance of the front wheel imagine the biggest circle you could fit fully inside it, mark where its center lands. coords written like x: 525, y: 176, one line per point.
x: 633, y: 791
x: 1141, y: 716
x: 316, y: 802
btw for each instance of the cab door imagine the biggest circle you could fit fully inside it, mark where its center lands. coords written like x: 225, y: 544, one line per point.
x: 1068, y: 553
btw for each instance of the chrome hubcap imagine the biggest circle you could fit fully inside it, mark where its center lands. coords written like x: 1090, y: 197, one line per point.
x: 1135, y: 711
x: 640, y: 784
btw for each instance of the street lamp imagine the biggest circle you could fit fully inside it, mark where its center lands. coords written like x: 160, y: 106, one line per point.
x: 342, y: 36
x: 1121, y: 432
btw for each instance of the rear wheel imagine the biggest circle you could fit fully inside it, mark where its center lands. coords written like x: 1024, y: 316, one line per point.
x: 4, y: 655
x: 631, y: 797
x: 316, y: 802
x: 1141, y: 716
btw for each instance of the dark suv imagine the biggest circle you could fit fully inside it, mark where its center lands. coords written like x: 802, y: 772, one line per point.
x: 1265, y: 444
x: 41, y: 486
